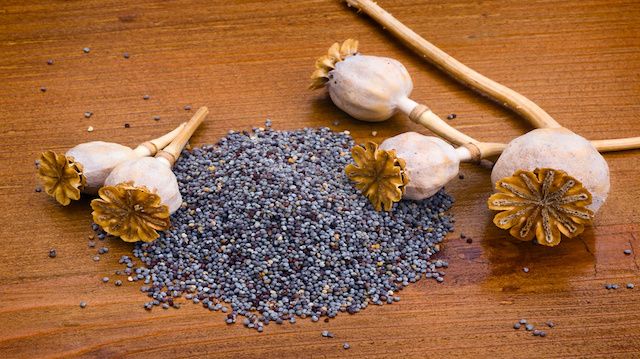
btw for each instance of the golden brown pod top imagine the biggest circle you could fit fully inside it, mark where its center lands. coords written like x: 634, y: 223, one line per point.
x: 327, y: 62
x: 129, y: 212
x: 379, y: 174
x: 544, y: 203
x: 61, y: 177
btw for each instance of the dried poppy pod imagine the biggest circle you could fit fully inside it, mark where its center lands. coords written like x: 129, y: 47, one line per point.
x: 372, y: 88
x: 559, y: 149
x: 140, y: 194
x: 410, y: 166
x: 84, y: 167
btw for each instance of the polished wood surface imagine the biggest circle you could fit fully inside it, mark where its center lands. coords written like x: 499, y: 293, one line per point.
x: 250, y: 60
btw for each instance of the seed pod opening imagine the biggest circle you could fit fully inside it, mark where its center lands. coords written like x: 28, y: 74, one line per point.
x: 543, y: 203
x: 379, y: 174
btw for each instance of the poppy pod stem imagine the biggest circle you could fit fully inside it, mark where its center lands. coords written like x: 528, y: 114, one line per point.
x: 171, y: 153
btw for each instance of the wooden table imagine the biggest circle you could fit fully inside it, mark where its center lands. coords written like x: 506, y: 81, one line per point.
x: 250, y: 60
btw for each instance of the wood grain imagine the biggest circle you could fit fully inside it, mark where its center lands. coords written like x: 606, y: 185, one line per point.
x: 250, y: 60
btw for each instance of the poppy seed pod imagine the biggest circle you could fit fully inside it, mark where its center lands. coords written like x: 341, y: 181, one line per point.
x: 369, y: 88
x: 85, y: 167
x: 560, y: 149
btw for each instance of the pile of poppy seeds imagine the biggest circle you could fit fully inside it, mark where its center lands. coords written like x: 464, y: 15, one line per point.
x: 271, y: 228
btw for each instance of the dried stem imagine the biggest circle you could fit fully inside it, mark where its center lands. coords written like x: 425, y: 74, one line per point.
x: 500, y: 93
x: 454, y: 68
x: 150, y: 148
x: 172, y: 151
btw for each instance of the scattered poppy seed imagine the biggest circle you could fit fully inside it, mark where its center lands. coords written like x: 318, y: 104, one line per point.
x: 529, y: 327
x: 118, y: 283
x: 522, y: 321
x: 460, y: 176
x: 156, y: 118
x: 327, y: 334
x: 550, y: 324
x: 469, y: 240
x: 50, y: 62
x: 88, y: 114
x: 517, y: 326
x: 615, y: 286
x: 53, y: 253
x: 90, y: 129
x: 125, y: 55
x: 346, y: 346
x: 38, y: 189
x: 525, y: 269
x: 126, y: 125
x: 536, y: 332
x: 96, y: 258
x: 451, y: 116
x: 83, y: 304
x: 543, y: 333
x: 43, y: 89
x: 105, y: 279
x: 627, y: 251
x: 630, y: 285
x: 86, y: 50
x: 146, y: 97
x: 91, y: 244
x: 187, y: 107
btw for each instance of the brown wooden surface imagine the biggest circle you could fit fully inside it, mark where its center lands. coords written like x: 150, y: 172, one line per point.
x: 250, y: 60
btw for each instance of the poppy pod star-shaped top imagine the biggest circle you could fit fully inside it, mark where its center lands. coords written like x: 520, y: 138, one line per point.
x: 378, y: 174
x: 84, y: 167
x: 543, y: 203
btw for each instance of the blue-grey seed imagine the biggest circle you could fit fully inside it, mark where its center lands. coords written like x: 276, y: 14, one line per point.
x: 273, y: 229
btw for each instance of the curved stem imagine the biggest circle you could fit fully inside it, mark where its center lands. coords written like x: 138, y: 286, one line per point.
x: 172, y: 151
x: 469, y: 77
x: 423, y: 115
x: 150, y: 148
